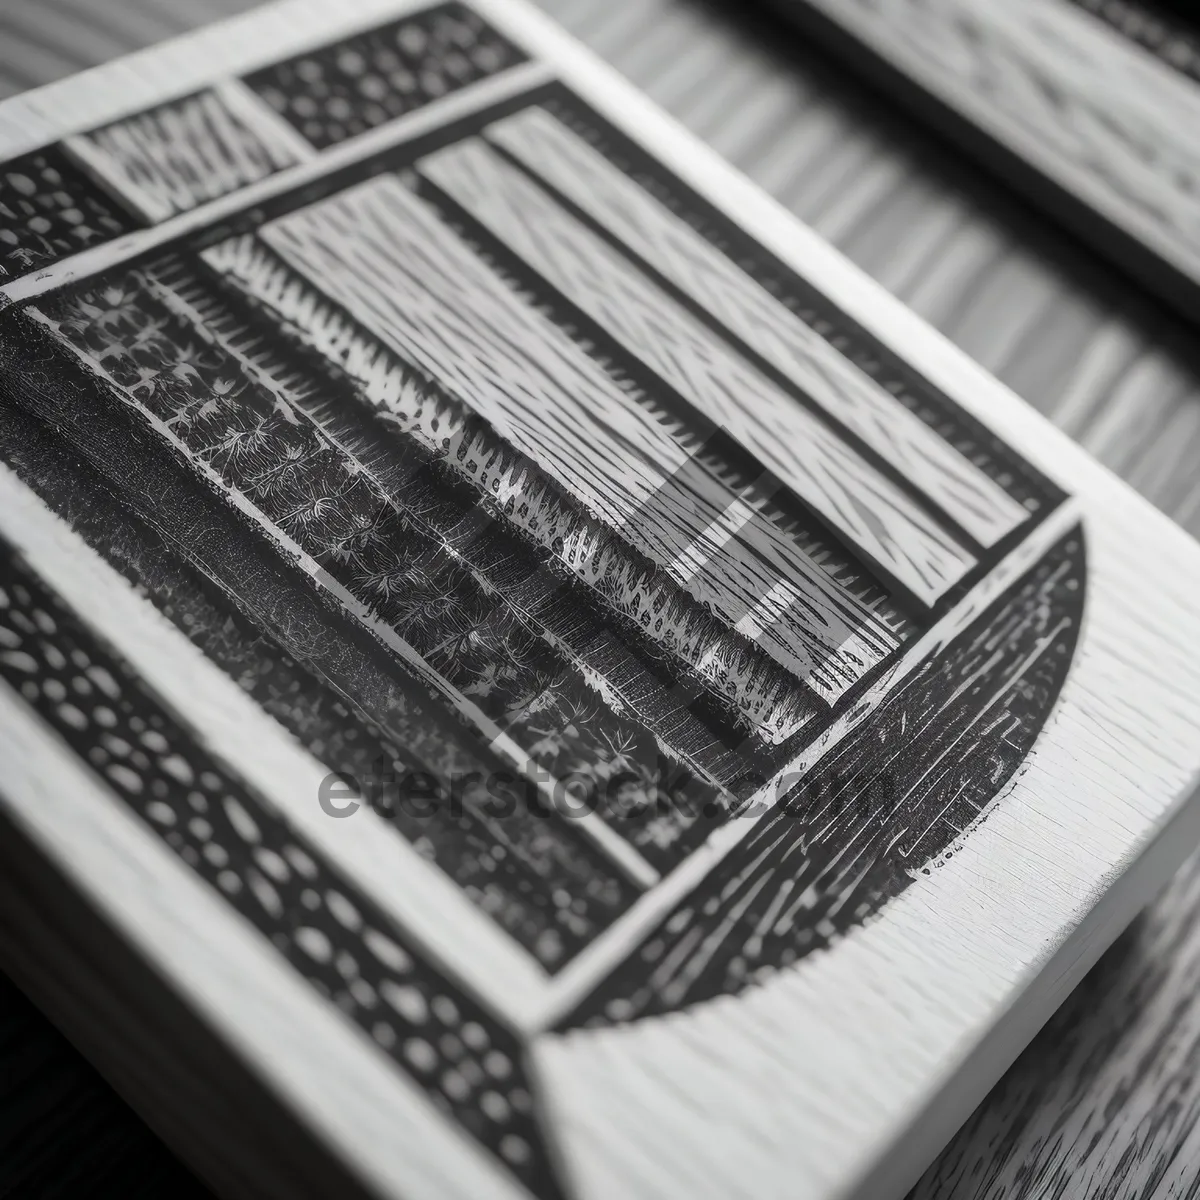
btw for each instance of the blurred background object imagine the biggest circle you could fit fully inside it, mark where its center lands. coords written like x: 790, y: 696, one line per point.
x: 1087, y: 106
x: 1105, y: 1102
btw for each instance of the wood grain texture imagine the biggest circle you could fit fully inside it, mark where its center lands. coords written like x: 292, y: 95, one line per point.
x: 459, y: 324
x: 1103, y: 364
x: 747, y: 310
x: 1092, y: 121
x: 802, y: 452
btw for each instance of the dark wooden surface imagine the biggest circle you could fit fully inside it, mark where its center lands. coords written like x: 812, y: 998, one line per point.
x: 63, y: 1132
x: 1104, y: 1103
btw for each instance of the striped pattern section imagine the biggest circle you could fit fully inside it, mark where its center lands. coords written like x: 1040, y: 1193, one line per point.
x: 416, y: 474
x: 851, y: 629
x: 767, y: 699
x: 317, y: 504
x: 445, y: 312
x: 183, y: 154
x: 700, y: 271
x: 189, y: 552
x: 834, y: 480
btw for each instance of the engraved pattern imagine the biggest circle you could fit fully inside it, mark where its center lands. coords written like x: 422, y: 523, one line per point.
x: 325, y: 501
x: 367, y: 80
x: 416, y: 410
x: 878, y: 362
x: 348, y: 951
x: 184, y: 154
x: 781, y: 341
x: 48, y: 210
x: 290, y: 397
x: 534, y: 877
x: 874, y: 814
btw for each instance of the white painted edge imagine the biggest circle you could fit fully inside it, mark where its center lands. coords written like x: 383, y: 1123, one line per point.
x: 380, y: 1123
x: 177, y: 67
x: 430, y: 906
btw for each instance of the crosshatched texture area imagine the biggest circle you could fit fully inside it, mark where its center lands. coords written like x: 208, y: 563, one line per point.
x: 303, y: 661
x: 642, y: 603
x: 365, y: 81
x: 311, y: 493
x: 48, y: 210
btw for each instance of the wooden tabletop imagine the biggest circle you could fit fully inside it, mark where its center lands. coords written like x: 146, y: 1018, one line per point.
x: 1104, y: 1103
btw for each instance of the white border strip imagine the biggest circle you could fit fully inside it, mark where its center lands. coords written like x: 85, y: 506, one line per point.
x: 606, y: 951
x: 437, y: 113
x: 426, y: 903
x: 381, y: 1123
x: 186, y: 64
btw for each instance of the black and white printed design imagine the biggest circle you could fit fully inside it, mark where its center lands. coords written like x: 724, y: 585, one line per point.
x: 340, y: 91
x: 186, y: 153
x: 668, y: 615
x: 49, y: 210
x: 317, y: 921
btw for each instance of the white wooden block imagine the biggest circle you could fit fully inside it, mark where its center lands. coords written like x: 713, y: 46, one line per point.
x: 582, y: 681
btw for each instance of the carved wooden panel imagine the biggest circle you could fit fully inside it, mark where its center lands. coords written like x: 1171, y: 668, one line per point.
x: 558, y: 638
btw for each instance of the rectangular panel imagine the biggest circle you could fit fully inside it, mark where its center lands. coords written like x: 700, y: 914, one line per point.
x: 445, y: 311
x: 824, y: 956
x: 411, y: 474
x: 189, y: 152
x: 709, y: 278
x: 50, y: 210
x: 348, y: 88
x: 772, y: 703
